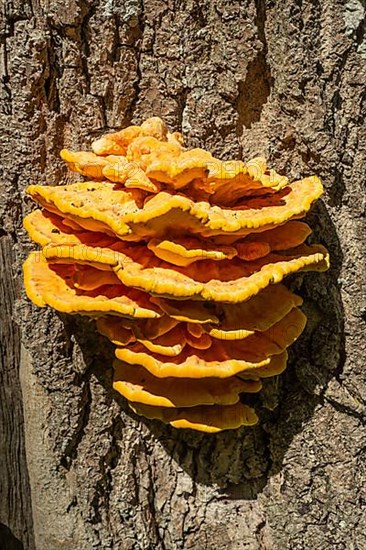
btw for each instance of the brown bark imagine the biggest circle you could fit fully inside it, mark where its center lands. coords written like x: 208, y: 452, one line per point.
x: 284, y: 78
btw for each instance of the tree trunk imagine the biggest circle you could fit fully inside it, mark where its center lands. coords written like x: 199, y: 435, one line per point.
x: 77, y: 470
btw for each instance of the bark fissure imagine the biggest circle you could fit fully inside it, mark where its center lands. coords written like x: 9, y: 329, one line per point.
x: 256, y: 88
x: 70, y: 452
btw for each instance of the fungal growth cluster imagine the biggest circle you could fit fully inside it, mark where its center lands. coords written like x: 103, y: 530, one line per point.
x: 179, y: 257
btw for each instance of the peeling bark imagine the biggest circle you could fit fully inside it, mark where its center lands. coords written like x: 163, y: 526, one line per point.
x: 286, y: 79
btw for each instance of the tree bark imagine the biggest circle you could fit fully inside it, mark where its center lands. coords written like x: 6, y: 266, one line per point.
x: 77, y: 470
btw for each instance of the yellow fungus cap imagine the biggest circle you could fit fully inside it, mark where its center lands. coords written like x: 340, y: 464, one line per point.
x: 103, y: 206
x: 208, y: 419
x: 227, y: 281
x: 217, y: 361
x: 138, y: 385
x: 51, y: 285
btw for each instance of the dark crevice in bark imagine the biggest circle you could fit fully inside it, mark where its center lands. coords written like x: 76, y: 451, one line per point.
x: 7, y: 31
x: 6, y: 97
x: 138, y: 53
x: 253, y: 92
x: 70, y: 452
x: 154, y: 524
x: 8, y: 541
x: 114, y: 453
x: 103, y: 111
x: 13, y: 13
x: 361, y: 29
x: 347, y: 410
x: 115, y: 54
x: 181, y: 104
x: 256, y: 88
x: 85, y: 48
x: 53, y: 74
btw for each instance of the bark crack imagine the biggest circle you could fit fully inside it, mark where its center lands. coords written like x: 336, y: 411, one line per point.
x: 138, y: 56
x: 256, y: 88
x: 70, y: 452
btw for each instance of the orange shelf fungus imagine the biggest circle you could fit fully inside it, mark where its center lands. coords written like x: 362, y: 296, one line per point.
x: 93, y: 205
x: 209, y: 419
x: 52, y: 285
x: 180, y: 257
x: 138, y: 385
x: 227, y: 281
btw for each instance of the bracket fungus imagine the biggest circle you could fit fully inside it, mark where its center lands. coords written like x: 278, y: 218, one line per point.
x: 180, y: 258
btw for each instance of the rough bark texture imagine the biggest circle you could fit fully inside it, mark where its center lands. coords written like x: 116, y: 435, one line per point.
x: 240, y: 78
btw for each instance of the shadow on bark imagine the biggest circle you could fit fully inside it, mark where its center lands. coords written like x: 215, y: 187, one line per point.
x: 240, y: 462
x: 8, y: 541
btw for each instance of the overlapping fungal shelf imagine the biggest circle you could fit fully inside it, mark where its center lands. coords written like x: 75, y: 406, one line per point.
x: 180, y: 258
